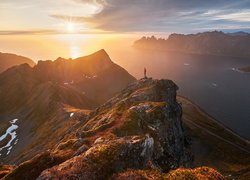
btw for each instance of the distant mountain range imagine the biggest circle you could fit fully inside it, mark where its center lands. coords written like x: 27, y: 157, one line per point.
x: 7, y: 60
x: 211, y: 43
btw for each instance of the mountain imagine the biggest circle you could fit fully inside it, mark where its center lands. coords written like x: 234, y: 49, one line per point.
x: 50, y: 129
x: 7, y: 60
x: 211, y: 43
x: 138, y: 134
x: 239, y: 33
x: 42, y: 100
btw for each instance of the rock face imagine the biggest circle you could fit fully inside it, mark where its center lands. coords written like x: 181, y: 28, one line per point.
x: 211, y: 43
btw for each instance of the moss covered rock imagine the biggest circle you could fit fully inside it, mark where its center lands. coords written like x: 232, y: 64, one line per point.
x: 104, y: 159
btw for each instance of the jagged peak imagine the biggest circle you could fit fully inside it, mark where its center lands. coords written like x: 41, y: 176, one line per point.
x: 43, y: 63
x: 100, y: 55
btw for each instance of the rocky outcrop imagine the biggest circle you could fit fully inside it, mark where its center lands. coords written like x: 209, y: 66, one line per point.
x: 150, y: 107
x: 147, y: 111
x: 104, y: 159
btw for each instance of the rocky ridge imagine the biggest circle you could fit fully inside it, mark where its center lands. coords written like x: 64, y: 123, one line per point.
x: 140, y: 128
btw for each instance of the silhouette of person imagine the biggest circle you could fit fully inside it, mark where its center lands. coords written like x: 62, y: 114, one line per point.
x: 145, y: 73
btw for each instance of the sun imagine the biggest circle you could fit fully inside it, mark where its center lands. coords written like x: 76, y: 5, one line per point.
x: 71, y: 27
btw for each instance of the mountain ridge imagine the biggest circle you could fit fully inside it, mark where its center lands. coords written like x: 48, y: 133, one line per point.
x: 114, y: 137
x: 41, y: 95
x: 8, y: 60
x: 209, y: 43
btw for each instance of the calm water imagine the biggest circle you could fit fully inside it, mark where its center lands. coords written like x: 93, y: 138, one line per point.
x: 209, y: 81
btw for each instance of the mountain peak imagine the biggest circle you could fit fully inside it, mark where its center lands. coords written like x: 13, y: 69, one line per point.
x: 101, y: 54
x: 101, y: 51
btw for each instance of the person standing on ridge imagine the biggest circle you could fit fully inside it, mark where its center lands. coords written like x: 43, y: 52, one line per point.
x: 145, y: 73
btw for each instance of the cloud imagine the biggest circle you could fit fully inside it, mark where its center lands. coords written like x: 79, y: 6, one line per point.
x: 131, y: 15
x: 164, y: 15
x: 48, y: 32
x: 238, y: 16
x: 30, y: 32
x: 101, y: 2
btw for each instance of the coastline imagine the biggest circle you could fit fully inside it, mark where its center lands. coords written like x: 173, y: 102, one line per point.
x: 213, y: 144
x: 210, y: 117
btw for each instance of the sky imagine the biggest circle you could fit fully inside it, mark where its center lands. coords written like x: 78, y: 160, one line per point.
x: 122, y: 16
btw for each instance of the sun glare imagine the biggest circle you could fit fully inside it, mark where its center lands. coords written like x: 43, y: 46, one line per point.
x: 71, y: 27
x: 75, y: 52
